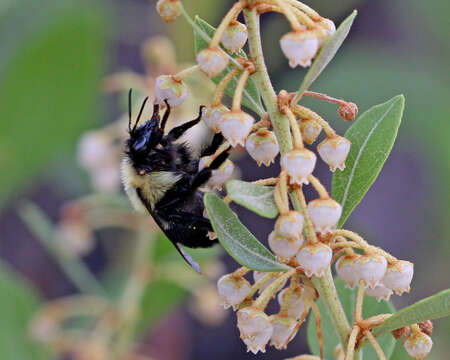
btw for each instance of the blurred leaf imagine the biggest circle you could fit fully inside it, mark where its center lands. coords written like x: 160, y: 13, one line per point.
x: 256, y: 198
x: 18, y: 303
x: 331, y: 339
x: 372, y: 136
x: 237, y: 240
x: 326, y: 53
x: 430, y: 308
x: 399, y: 352
x: 251, y: 97
x: 50, y: 62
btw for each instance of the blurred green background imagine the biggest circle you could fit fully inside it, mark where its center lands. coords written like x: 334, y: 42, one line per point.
x: 53, y: 55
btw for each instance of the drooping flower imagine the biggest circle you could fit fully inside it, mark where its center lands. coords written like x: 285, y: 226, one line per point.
x: 334, y: 151
x: 212, y: 116
x: 298, y: 164
x: 212, y: 61
x: 283, y: 331
x: 310, y: 130
x: 255, y: 328
x: 418, y: 345
x: 232, y: 290
x: 380, y: 292
x: 262, y: 146
x: 283, y: 246
x: 398, y: 276
x: 290, y: 225
x: 219, y: 176
x: 170, y: 89
x: 235, y: 36
x: 299, y: 47
x: 347, y: 270
x: 324, y: 213
x: 314, y: 258
x: 169, y: 10
x: 372, y: 268
x: 236, y: 126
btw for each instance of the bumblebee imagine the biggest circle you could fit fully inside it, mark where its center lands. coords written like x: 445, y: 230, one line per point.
x: 162, y: 177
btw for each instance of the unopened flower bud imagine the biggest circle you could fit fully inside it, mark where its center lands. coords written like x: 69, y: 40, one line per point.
x: 324, y: 213
x: 310, y: 130
x: 372, y: 268
x: 232, y: 290
x: 283, y: 329
x: 282, y: 246
x: 418, y: 345
x: 235, y: 127
x: 348, y: 111
x: 296, y: 306
x: 299, y: 47
x: 347, y: 270
x: 398, y: 276
x: 262, y: 146
x: 298, y: 163
x: 219, y: 176
x: 380, y: 292
x: 170, y: 89
x: 169, y: 10
x: 426, y: 327
x: 290, y: 225
x: 334, y: 151
x: 235, y: 36
x: 255, y: 328
x: 212, y: 116
x: 314, y: 258
x: 212, y: 61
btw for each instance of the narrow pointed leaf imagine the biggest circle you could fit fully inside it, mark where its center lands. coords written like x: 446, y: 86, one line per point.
x: 251, y: 97
x: 256, y: 198
x: 327, y: 52
x: 430, y: 308
x: 237, y: 240
x: 372, y: 137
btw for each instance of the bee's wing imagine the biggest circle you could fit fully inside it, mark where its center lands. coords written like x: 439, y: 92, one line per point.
x: 187, y: 258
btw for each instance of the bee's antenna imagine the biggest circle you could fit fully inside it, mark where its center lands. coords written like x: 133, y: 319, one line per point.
x: 129, y: 109
x: 140, y: 113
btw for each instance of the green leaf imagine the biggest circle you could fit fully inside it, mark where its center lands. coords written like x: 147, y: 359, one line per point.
x: 237, y: 240
x: 251, y: 97
x: 372, y: 137
x: 18, y: 303
x: 430, y: 308
x: 327, y: 52
x: 331, y: 339
x: 256, y: 198
x: 50, y: 67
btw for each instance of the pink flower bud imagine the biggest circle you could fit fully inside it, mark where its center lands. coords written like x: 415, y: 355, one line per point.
x: 290, y: 225
x: 314, y: 258
x: 310, y: 130
x: 255, y: 328
x: 283, y: 331
x: 298, y: 163
x: 380, y: 292
x: 212, y: 116
x: 347, y: 270
x: 284, y: 247
x: 169, y: 10
x: 334, y: 151
x: 372, y: 268
x: 299, y: 47
x: 232, y: 290
x: 235, y: 37
x: 212, y: 61
x: 398, y: 276
x: 296, y: 306
x: 324, y: 213
x: 418, y: 345
x: 235, y: 127
x: 167, y: 88
x: 262, y: 146
x: 219, y: 176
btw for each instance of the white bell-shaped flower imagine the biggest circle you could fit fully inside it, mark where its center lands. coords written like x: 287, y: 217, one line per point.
x: 314, y: 258
x: 418, y: 345
x: 298, y: 164
x: 212, y: 116
x: 255, y: 328
x: 325, y: 214
x: 299, y: 47
x: 236, y: 126
x: 232, y: 290
x: 398, y: 276
x: 334, y: 151
x: 380, y: 292
x: 262, y: 146
x: 310, y: 130
x: 212, y: 61
x: 235, y: 36
x: 170, y: 89
x: 290, y: 225
x: 283, y: 331
x: 347, y: 270
x: 296, y: 301
x: 169, y: 10
x: 372, y: 268
x: 284, y: 247
x: 219, y: 176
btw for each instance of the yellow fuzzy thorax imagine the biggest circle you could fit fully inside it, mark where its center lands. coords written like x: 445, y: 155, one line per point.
x: 153, y: 185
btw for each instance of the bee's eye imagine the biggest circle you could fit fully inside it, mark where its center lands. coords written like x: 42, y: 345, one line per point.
x: 140, y: 143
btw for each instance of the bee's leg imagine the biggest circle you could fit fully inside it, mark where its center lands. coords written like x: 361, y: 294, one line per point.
x: 165, y: 116
x: 176, y: 132
x: 212, y: 148
x: 204, y: 175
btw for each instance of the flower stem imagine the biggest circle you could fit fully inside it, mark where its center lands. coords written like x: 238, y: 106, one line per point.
x: 237, y: 98
x: 234, y: 11
x: 376, y: 346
